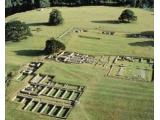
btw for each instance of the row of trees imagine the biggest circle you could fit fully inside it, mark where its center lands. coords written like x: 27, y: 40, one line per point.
x: 13, y: 6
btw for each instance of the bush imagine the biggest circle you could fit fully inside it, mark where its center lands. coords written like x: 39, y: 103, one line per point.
x: 53, y: 46
x: 127, y: 16
x: 55, y: 17
x: 16, y: 30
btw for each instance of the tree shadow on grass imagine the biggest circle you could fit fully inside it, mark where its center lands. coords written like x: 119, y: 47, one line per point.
x: 31, y: 53
x: 107, y: 21
x: 39, y: 24
x: 145, y: 34
x: 143, y: 44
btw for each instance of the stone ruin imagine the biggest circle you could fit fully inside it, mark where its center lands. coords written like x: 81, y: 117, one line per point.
x: 80, y: 30
x: 45, y: 96
x: 116, y: 66
x: 140, y: 73
x: 107, y: 62
x: 44, y: 107
x: 108, y: 32
x: 126, y: 58
x: 72, y: 57
x: 133, y: 59
x: 121, y: 70
x: 31, y: 68
x: 77, y: 58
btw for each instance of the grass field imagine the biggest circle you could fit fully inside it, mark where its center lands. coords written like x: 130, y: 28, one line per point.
x: 24, y: 51
x: 95, y: 43
x: 104, y: 98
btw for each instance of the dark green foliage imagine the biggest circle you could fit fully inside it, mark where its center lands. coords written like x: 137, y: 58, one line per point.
x: 8, y: 78
x: 16, y: 30
x: 8, y: 7
x: 138, y: 3
x: 42, y: 3
x: 55, y: 17
x: 8, y: 3
x: 27, y: 5
x: 127, y: 16
x: 9, y: 75
x: 14, y: 6
x: 53, y: 46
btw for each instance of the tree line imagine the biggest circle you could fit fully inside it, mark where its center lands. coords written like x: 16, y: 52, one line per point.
x: 14, y: 6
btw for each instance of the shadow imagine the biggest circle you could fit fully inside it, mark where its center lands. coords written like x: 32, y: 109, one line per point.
x: 39, y: 24
x: 150, y: 33
x: 107, y: 21
x: 37, y: 29
x: 145, y: 34
x: 30, y: 52
x: 143, y: 44
x: 18, y: 40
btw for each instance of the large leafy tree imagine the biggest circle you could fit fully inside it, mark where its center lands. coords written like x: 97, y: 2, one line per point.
x: 55, y: 17
x: 16, y: 30
x: 127, y: 16
x: 53, y: 46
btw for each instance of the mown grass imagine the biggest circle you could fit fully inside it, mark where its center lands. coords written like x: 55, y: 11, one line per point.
x: 74, y: 17
x: 107, y: 45
x: 104, y: 98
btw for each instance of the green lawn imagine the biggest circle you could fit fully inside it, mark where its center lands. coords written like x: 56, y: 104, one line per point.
x: 104, y: 98
x: 107, y: 45
x: 26, y: 50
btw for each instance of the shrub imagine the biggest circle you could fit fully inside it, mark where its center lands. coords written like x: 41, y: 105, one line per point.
x: 53, y: 46
x: 55, y: 17
x: 16, y: 30
x: 127, y: 16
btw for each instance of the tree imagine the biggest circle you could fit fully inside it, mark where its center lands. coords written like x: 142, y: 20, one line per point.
x: 134, y: 3
x: 8, y: 7
x: 55, y: 17
x: 53, y: 46
x: 27, y: 5
x: 14, y: 6
x: 127, y: 16
x: 16, y: 30
x: 8, y: 3
x: 42, y: 3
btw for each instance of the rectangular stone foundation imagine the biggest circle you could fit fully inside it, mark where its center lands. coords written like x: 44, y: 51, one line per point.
x: 49, y: 98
